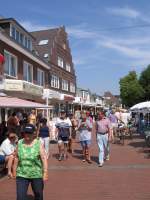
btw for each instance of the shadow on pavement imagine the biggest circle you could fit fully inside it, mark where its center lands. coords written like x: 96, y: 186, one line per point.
x: 55, y: 155
x: 138, y: 144
x: 141, y: 148
x: 95, y: 159
x: 30, y: 197
x: 79, y: 155
x: 78, y: 151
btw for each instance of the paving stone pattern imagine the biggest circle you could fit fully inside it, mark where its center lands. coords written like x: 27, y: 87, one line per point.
x: 125, y: 177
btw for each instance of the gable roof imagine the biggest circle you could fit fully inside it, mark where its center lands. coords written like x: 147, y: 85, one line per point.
x: 10, y: 20
x: 49, y: 35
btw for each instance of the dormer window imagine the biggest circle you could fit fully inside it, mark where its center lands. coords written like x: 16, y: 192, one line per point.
x: 43, y: 42
x: 20, y: 38
x: 13, y: 32
x: 26, y: 42
x: 29, y: 44
x: 17, y: 36
x: 64, y: 46
x: 46, y: 55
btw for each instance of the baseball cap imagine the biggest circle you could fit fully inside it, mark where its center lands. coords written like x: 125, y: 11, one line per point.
x: 29, y: 128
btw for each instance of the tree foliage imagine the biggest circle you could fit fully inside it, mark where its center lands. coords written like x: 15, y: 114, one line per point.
x: 131, y: 91
x: 144, y: 81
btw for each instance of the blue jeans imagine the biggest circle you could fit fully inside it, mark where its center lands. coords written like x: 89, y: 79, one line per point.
x: 23, y: 184
x: 103, y: 145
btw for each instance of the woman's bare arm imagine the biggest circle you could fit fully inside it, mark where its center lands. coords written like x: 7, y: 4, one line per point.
x: 15, y: 165
x: 44, y: 162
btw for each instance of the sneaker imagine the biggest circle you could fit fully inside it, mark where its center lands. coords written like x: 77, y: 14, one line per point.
x: 89, y: 161
x: 107, y: 158
x: 60, y: 158
x: 100, y: 165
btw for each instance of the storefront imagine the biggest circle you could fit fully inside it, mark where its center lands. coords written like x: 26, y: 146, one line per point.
x: 81, y: 104
x: 57, y: 101
x: 9, y: 104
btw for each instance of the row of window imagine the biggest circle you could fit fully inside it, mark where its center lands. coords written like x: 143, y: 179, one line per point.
x: 11, y: 67
x: 55, y: 82
x: 60, y: 63
x: 20, y: 38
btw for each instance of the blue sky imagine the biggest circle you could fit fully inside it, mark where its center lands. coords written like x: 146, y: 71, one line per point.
x: 102, y: 53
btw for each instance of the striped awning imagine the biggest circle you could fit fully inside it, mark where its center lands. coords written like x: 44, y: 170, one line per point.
x: 13, y: 102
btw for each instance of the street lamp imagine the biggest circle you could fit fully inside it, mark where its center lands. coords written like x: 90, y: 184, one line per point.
x: 47, y: 95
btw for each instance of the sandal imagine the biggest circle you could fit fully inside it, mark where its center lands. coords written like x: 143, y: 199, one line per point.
x: 89, y: 161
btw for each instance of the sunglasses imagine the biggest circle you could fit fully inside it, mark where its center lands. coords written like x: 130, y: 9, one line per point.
x: 12, y: 137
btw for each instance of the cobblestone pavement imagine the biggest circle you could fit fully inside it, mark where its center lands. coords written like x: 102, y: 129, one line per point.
x: 125, y: 177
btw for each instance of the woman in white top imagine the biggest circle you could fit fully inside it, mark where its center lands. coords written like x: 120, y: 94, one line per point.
x: 7, y: 150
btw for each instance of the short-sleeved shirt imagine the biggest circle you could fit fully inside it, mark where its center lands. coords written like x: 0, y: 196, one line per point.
x: 85, y: 134
x: 32, y: 119
x: 7, y: 148
x: 113, y: 118
x: 103, y: 125
x: 63, y: 126
x: 44, y: 132
x: 125, y: 117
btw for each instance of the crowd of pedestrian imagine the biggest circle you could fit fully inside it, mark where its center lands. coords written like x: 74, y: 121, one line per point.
x: 25, y: 151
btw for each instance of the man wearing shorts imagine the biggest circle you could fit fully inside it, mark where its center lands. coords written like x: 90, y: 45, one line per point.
x: 63, y: 131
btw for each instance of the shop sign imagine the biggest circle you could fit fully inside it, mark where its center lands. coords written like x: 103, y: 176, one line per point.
x: 13, y: 85
x: 22, y: 86
x: 51, y: 94
x: 32, y: 89
x: 68, y: 98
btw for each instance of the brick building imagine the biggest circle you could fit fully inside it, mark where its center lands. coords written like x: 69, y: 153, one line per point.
x: 38, y: 65
x: 53, y: 46
x: 112, y: 100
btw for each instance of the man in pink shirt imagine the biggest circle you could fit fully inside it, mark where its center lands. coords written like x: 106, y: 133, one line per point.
x: 103, y: 133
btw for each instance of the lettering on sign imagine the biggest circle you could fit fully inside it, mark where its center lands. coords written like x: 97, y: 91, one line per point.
x: 12, y: 85
x: 19, y: 85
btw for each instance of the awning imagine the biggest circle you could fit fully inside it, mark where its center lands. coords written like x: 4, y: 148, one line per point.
x: 141, y: 106
x: 13, y: 102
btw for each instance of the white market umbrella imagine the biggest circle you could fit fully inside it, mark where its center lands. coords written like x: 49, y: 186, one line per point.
x: 145, y: 106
